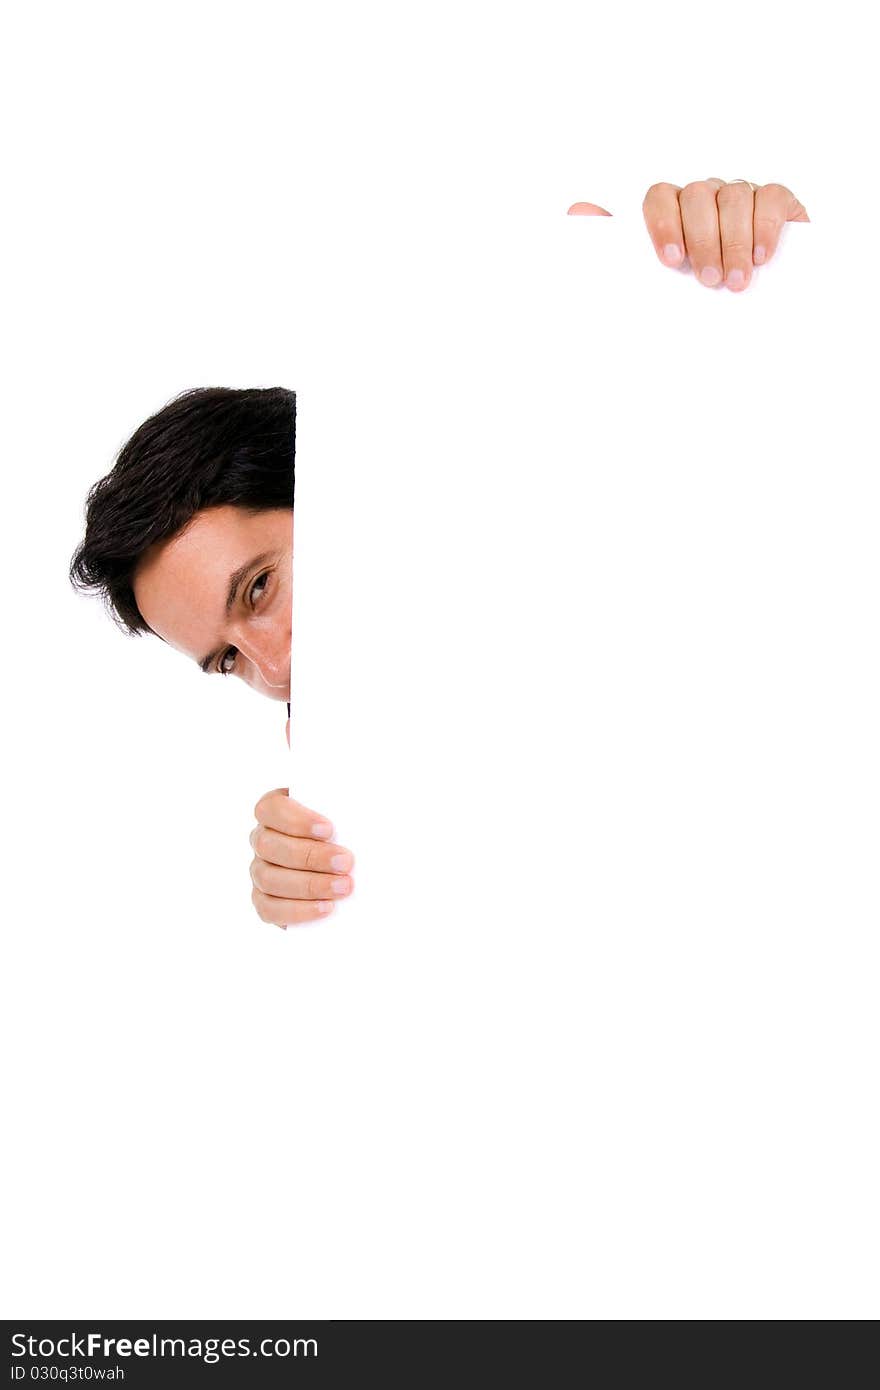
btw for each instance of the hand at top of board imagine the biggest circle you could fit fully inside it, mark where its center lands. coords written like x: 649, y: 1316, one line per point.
x: 721, y: 230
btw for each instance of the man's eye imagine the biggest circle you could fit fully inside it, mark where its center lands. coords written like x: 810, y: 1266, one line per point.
x: 258, y: 587
x: 226, y: 664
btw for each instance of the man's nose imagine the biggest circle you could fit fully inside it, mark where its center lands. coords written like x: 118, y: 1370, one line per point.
x: 269, y: 652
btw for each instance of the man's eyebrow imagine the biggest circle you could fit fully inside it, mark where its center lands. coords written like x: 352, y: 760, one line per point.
x: 234, y: 583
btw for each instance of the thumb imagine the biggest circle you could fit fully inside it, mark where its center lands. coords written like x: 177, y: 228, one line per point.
x: 587, y: 210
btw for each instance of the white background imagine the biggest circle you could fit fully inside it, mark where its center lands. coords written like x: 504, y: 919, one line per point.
x: 585, y: 672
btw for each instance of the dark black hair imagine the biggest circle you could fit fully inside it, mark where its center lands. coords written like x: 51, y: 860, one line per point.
x: 207, y: 448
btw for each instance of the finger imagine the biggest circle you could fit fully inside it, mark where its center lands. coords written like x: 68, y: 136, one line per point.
x: 316, y: 856
x: 297, y: 885
x: 736, y: 203
x: 279, y: 812
x: 774, y: 206
x: 663, y: 220
x: 282, y: 913
x: 702, y: 237
x: 587, y: 210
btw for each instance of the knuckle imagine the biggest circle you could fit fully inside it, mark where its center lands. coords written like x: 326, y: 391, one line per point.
x: 737, y: 249
x: 702, y: 246
x: 695, y: 190
x: 658, y: 189
x: 268, y: 800
x: 733, y: 193
x: 313, y: 857
x: 258, y: 873
x: 258, y: 901
x: 260, y: 841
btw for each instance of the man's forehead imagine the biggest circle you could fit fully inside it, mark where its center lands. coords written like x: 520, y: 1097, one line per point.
x: 181, y: 582
x: 204, y: 542
x: 212, y: 526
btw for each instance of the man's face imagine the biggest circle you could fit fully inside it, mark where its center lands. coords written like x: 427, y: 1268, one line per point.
x: 220, y: 592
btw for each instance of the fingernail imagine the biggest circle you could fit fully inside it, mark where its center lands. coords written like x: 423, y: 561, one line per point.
x: 736, y: 280
x: 759, y: 255
x: 324, y: 907
x: 322, y: 830
x: 340, y: 886
x: 710, y: 276
x: 340, y: 863
x: 672, y: 254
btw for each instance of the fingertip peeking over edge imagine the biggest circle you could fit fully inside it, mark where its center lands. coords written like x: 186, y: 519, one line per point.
x: 587, y: 210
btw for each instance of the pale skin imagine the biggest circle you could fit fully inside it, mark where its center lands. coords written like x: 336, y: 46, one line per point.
x: 219, y: 591
x: 722, y: 230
